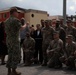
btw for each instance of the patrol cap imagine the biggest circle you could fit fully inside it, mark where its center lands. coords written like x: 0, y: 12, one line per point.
x: 42, y: 20
x: 46, y: 21
x: 57, y: 21
x: 69, y: 21
x: 56, y: 32
x: 66, y: 37
x: 69, y: 36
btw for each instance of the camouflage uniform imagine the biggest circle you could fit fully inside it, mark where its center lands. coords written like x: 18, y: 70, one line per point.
x: 69, y: 51
x: 55, y: 51
x: 28, y: 48
x: 71, y: 31
x: 47, y: 33
x: 12, y: 26
x: 69, y: 58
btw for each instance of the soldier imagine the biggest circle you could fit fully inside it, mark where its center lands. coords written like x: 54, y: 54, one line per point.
x: 12, y: 27
x: 71, y: 30
x: 28, y: 48
x: 62, y: 33
x: 47, y: 33
x: 55, y: 51
x: 69, y: 56
x: 42, y: 23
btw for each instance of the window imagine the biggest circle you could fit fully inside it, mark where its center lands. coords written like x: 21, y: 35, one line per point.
x: 32, y: 15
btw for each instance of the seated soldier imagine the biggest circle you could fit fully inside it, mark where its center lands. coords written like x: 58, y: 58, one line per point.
x: 55, y: 52
x: 28, y: 47
x: 69, y: 53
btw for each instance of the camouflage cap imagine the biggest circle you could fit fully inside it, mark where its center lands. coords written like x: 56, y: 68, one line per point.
x: 46, y: 21
x: 56, y: 32
x: 69, y: 21
x: 69, y: 36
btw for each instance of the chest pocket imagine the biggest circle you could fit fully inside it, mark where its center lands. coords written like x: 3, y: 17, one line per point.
x: 55, y: 44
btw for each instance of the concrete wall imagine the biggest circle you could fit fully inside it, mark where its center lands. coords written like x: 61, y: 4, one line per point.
x: 36, y: 19
x: 27, y: 17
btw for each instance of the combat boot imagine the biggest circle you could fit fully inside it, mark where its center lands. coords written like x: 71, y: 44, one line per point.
x: 14, y: 72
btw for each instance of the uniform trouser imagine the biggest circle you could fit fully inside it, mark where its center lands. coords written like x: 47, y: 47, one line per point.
x: 28, y: 57
x: 44, y: 49
x: 14, y: 56
x: 54, y: 60
x: 70, y: 62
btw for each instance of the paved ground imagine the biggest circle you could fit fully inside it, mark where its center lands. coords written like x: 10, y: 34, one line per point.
x: 37, y: 70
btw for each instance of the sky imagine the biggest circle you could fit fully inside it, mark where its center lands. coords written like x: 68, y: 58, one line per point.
x: 53, y: 7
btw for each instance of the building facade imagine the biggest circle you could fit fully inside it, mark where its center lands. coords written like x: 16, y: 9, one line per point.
x: 32, y: 16
x: 35, y: 16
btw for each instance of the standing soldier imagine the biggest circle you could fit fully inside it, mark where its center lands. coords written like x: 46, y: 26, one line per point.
x: 47, y: 33
x: 12, y: 27
x: 71, y: 30
x: 62, y: 33
x: 42, y: 23
x: 28, y: 48
x: 55, y: 51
